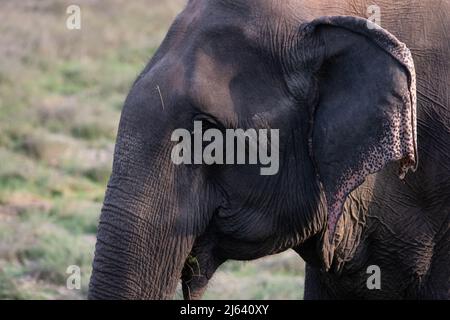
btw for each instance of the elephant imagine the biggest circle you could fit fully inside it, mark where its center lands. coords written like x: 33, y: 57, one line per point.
x: 363, y: 113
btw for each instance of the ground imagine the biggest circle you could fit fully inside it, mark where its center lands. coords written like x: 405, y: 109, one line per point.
x: 61, y: 92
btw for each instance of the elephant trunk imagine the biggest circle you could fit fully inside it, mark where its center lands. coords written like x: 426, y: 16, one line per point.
x: 141, y: 248
x: 135, y: 258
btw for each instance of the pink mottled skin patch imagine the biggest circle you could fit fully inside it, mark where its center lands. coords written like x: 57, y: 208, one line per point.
x: 397, y: 145
x: 373, y: 163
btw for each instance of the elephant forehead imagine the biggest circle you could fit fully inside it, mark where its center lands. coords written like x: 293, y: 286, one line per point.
x: 176, y: 76
x: 210, y: 88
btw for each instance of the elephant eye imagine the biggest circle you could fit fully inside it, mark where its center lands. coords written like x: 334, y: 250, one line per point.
x: 208, y: 122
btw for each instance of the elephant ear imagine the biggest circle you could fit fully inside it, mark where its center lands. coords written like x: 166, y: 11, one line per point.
x: 365, y: 115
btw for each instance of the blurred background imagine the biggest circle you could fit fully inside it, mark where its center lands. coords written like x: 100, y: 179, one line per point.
x: 61, y: 93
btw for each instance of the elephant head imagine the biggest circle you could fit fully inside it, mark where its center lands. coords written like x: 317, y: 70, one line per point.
x: 340, y: 91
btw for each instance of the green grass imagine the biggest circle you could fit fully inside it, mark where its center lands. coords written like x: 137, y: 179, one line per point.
x: 61, y: 93
x: 277, y: 277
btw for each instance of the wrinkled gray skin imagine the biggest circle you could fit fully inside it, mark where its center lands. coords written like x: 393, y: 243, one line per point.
x: 333, y: 92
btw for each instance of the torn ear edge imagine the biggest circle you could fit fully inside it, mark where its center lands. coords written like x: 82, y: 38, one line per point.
x: 399, y: 51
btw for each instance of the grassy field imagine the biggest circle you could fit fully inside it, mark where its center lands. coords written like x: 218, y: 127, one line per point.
x: 61, y: 92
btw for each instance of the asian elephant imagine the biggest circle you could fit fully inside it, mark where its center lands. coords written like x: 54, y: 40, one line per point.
x: 364, y: 170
